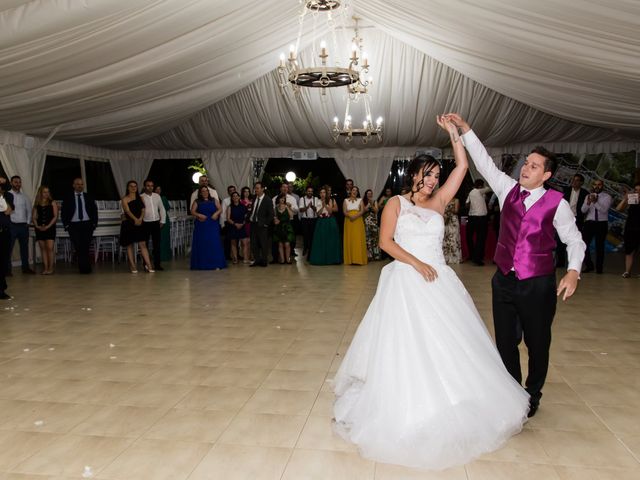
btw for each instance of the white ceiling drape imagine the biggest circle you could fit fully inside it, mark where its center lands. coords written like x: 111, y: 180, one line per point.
x: 198, y: 74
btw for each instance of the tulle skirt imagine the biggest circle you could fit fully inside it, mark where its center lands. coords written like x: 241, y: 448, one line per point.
x: 422, y: 384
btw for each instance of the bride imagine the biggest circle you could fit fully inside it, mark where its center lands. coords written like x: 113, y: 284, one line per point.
x: 422, y: 384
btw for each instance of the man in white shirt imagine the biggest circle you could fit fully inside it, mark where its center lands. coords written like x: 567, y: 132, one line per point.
x: 596, y: 224
x: 202, y: 182
x: 308, y: 207
x: 524, y: 285
x: 477, y: 222
x: 155, y: 216
x: 20, y: 221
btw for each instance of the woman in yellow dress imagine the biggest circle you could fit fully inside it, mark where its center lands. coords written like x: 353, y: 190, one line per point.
x: 355, y: 243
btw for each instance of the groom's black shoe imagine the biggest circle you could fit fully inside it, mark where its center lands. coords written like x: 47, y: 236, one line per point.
x: 533, y: 408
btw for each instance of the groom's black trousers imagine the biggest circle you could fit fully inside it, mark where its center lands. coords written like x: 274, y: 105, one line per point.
x: 524, y: 308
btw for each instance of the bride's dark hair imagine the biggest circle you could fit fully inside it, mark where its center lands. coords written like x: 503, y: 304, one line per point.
x: 418, y: 163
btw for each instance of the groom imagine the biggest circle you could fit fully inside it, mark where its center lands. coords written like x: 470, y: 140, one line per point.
x: 524, y: 286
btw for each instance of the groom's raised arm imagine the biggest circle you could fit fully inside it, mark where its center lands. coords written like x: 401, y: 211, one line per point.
x: 499, y: 181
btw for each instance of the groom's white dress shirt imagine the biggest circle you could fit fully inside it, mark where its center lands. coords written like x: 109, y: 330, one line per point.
x: 501, y: 184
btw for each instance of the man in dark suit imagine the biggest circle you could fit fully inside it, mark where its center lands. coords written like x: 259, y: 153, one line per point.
x: 6, y: 208
x: 575, y: 195
x: 80, y: 219
x: 261, y: 219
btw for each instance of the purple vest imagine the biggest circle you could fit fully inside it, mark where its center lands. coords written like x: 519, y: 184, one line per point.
x: 527, y: 239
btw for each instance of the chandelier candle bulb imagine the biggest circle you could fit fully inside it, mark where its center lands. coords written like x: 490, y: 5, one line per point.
x: 282, y: 60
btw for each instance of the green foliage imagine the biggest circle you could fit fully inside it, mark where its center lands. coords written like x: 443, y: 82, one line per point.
x: 273, y: 182
x: 197, y: 166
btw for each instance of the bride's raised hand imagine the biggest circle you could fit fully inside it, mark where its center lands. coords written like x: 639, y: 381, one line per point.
x: 448, y: 126
x: 427, y: 271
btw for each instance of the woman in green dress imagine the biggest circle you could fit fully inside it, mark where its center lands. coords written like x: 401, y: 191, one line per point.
x: 325, y: 248
x: 165, y: 233
x: 283, y: 232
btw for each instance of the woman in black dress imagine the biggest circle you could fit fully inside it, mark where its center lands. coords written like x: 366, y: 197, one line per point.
x: 131, y: 229
x: 45, y: 217
x: 236, y: 222
x: 631, y: 201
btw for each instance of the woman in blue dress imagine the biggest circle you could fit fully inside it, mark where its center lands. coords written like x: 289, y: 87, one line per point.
x: 206, y: 248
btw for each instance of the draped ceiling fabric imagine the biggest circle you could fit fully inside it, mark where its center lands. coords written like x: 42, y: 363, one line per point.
x: 198, y: 75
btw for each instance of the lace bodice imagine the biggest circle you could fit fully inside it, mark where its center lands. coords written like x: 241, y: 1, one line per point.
x: 420, y: 231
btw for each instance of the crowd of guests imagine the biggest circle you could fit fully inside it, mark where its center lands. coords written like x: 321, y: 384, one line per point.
x: 250, y: 227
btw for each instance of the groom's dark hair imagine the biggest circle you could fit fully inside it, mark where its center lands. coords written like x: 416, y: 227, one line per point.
x: 550, y: 161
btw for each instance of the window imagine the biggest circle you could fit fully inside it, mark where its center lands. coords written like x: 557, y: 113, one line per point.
x: 174, y: 176
x: 59, y: 173
x: 99, y: 180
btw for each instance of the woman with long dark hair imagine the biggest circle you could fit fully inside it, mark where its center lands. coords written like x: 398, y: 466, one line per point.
x: 371, y: 225
x: 236, y: 222
x: 45, y: 217
x: 354, y: 241
x: 206, y: 246
x: 283, y: 234
x: 422, y: 383
x: 131, y: 228
x: 325, y: 248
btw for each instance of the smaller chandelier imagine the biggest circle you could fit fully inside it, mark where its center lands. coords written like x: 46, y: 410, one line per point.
x: 348, y: 131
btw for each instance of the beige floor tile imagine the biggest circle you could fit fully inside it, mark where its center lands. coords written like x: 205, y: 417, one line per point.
x: 294, y: 361
x: 242, y: 462
x: 395, y: 472
x: 190, y: 425
x: 587, y: 449
x: 560, y: 392
x: 510, y: 471
x: 322, y: 465
x: 620, y: 419
x: 615, y: 394
x: 580, y: 473
x: 15, y: 447
x: 318, y: 433
x: 525, y: 447
x: 156, y: 459
x: 566, y: 417
x: 264, y: 429
x: 632, y: 442
x: 323, y: 407
x: 235, y: 377
x: 48, y: 417
x: 119, y: 421
x: 294, y: 380
x: 154, y: 395
x: 67, y: 456
x: 216, y: 398
x: 282, y: 402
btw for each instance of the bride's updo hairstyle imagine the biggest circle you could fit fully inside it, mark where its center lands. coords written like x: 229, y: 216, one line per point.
x: 420, y: 162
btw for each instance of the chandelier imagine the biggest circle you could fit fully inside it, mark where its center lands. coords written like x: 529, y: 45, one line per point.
x: 358, y: 92
x: 323, y: 76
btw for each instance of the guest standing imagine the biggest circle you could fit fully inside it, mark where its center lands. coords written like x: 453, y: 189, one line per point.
x: 246, y: 199
x: 451, y: 245
x: 631, y: 227
x: 261, y: 218
x: 20, y: 220
x: 165, y: 231
x: 371, y: 226
x: 355, y: 245
x: 236, y: 223
x: 45, y: 217
x: 575, y: 195
x: 132, y: 230
x: 325, y: 249
x: 6, y: 207
x: 308, y: 207
x: 155, y: 216
x: 478, y: 222
x: 206, y: 248
x: 596, y: 211
x: 80, y: 219
x: 283, y: 232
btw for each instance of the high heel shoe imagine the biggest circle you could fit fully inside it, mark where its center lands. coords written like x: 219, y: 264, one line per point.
x: 148, y: 269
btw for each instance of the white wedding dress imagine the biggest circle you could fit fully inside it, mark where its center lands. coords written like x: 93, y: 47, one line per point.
x: 422, y: 384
